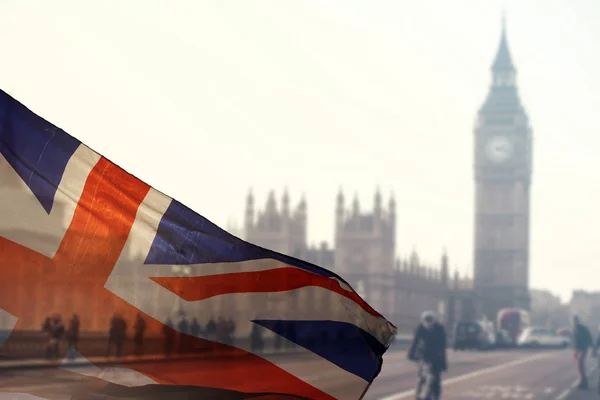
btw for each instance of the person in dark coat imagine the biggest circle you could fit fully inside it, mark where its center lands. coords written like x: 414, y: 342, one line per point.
x: 47, y: 332
x: 231, y: 325
x: 58, y: 332
x: 428, y: 348
x: 195, y: 328
x: 54, y: 331
x: 117, y: 334
x: 73, y: 334
x: 138, y: 337
x: 211, y: 333
x: 211, y: 329
x: 582, y: 341
x: 195, y: 332
x: 183, y: 327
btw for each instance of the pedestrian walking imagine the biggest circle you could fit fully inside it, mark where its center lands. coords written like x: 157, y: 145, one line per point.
x: 582, y: 341
x: 73, y: 335
x: 184, y: 340
x: 428, y: 348
x: 195, y: 332
x: 54, y: 331
x: 230, y: 326
x: 211, y: 329
x: 117, y: 334
x: 138, y: 337
x: 47, y: 332
x: 195, y: 328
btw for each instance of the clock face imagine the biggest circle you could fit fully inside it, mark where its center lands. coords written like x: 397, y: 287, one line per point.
x: 499, y: 149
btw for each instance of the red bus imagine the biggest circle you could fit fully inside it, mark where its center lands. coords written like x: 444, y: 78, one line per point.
x: 565, y: 332
x: 514, y: 321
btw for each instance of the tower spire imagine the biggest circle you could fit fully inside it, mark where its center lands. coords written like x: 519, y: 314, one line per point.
x: 503, y: 61
x: 503, y: 69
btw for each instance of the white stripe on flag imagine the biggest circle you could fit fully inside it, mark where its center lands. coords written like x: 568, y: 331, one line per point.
x: 23, y: 219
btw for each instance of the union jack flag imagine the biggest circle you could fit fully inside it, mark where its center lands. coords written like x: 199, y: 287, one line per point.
x: 80, y: 235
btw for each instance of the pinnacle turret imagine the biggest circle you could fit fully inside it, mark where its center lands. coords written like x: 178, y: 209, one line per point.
x: 285, y: 202
x: 503, y: 60
x: 271, y: 202
x: 503, y: 97
x: 355, y: 205
x: 378, y: 197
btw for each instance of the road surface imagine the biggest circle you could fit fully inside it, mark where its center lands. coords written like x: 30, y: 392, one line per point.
x: 548, y: 374
x: 496, y: 375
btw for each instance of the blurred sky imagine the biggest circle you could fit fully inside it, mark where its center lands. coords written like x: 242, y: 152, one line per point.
x: 204, y: 99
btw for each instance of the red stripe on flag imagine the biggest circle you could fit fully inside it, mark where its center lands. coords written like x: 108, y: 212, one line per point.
x: 197, y: 288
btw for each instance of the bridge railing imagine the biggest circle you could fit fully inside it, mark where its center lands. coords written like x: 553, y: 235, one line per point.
x: 33, y: 345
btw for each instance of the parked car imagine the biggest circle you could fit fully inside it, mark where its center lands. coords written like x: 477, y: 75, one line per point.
x: 473, y: 335
x: 541, y: 337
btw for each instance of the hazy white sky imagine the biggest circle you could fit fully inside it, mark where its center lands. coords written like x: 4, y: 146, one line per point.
x: 203, y: 99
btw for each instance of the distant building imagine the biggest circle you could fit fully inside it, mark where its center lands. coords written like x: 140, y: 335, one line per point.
x: 547, y: 310
x: 541, y: 298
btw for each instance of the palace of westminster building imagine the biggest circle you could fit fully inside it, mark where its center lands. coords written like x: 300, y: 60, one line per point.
x: 364, y: 255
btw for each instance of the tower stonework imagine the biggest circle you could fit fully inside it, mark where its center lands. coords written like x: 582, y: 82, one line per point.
x: 502, y: 172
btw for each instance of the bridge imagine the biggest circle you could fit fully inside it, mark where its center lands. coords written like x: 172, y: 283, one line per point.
x: 495, y: 375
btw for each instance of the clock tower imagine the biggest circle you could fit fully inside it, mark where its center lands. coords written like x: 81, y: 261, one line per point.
x: 502, y: 172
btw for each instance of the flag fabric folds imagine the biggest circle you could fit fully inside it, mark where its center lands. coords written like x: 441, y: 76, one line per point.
x: 79, y: 235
